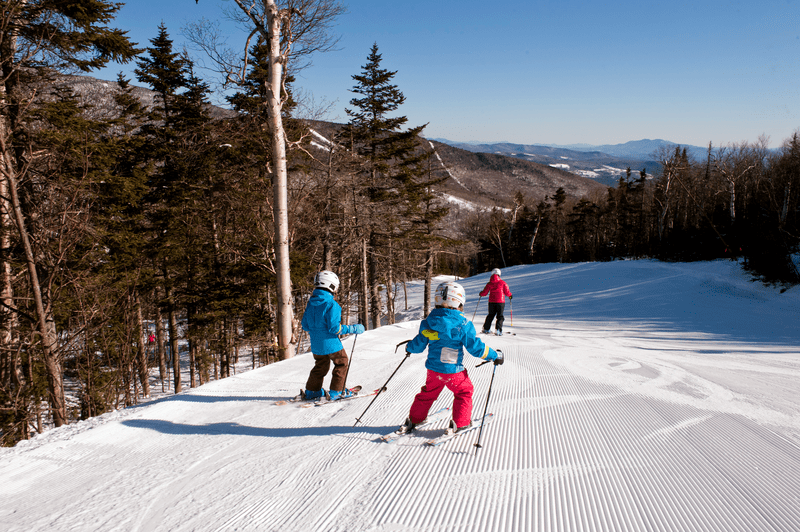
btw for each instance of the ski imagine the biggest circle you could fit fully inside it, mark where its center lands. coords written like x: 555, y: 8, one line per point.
x: 300, y: 398
x: 356, y: 395
x: 396, y: 435
x: 447, y: 436
x: 296, y: 399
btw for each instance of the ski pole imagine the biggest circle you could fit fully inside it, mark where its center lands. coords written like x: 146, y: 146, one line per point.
x: 485, y: 408
x: 476, y: 307
x: 511, y: 302
x: 349, y: 362
x: 383, y: 388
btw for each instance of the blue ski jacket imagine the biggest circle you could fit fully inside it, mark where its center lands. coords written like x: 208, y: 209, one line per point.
x: 322, y: 319
x: 446, y: 333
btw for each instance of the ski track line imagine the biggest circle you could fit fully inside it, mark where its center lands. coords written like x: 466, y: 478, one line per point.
x: 317, y: 492
x: 617, y: 461
x: 562, y: 453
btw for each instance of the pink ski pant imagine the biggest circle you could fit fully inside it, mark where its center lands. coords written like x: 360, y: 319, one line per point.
x: 458, y: 383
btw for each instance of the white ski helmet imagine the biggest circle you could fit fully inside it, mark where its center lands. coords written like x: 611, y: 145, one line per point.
x: 327, y: 279
x: 450, y: 295
x: 496, y: 272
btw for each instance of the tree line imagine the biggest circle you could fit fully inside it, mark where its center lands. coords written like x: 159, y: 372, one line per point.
x: 742, y: 201
x: 142, y: 243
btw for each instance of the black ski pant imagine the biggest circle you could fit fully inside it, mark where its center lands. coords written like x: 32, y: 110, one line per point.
x: 495, y: 309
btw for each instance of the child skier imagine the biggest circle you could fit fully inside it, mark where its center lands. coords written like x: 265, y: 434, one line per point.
x: 446, y: 332
x: 497, y: 290
x: 322, y: 319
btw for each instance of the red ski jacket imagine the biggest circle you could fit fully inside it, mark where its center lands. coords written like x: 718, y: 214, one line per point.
x: 497, y: 290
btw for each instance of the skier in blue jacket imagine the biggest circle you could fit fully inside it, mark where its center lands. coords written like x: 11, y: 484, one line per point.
x: 446, y: 332
x: 322, y: 319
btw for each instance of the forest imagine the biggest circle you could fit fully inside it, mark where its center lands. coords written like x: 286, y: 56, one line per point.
x: 136, y: 235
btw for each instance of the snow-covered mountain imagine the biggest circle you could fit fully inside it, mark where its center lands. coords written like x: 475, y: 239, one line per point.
x: 634, y: 150
x: 487, y: 180
x: 636, y: 395
x: 580, y: 160
x: 642, y: 150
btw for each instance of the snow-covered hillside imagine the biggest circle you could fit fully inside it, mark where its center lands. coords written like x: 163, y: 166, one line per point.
x: 636, y: 395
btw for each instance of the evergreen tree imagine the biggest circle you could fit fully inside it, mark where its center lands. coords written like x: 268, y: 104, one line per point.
x: 391, y: 169
x: 165, y: 71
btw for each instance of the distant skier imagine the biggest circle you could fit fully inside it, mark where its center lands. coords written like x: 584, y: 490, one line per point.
x: 497, y: 290
x: 446, y: 332
x: 322, y: 319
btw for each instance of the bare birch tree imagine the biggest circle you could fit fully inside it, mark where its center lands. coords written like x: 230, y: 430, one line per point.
x: 294, y: 29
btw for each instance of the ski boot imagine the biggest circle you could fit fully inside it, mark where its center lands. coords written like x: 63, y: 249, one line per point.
x: 335, y: 396
x: 498, y: 332
x: 485, y: 331
x: 407, y: 427
x: 313, y: 395
x: 453, y: 429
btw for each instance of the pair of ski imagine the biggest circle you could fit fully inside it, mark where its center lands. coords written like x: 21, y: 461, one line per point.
x: 432, y: 418
x: 308, y: 403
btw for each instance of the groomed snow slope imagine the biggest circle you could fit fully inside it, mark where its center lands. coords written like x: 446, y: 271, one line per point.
x: 636, y: 396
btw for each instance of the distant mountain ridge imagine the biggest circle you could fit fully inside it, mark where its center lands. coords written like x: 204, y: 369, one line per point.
x: 600, y: 166
x: 644, y: 148
x: 640, y: 150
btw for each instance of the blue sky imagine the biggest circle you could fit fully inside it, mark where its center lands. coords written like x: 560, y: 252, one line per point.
x: 542, y: 72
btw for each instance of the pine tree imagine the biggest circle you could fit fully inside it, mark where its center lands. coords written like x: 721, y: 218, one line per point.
x: 391, y: 170
x: 166, y: 72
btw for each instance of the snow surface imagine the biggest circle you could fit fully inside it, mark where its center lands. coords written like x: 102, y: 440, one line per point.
x: 587, y: 173
x: 636, y: 395
x: 460, y: 202
x: 446, y: 169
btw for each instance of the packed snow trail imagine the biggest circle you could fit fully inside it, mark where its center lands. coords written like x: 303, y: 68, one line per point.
x: 647, y: 424
x: 562, y: 453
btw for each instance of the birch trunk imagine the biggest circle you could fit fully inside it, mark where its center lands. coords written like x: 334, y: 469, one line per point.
x: 274, y: 88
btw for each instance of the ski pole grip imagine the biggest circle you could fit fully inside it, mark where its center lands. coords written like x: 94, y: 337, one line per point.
x: 401, y: 343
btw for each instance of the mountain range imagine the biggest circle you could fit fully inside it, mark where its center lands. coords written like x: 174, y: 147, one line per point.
x: 604, y: 164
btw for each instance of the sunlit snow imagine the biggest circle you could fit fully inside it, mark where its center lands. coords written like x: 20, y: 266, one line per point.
x: 636, y: 396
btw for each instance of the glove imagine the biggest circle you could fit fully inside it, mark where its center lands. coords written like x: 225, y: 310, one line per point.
x: 510, y: 297
x: 499, y: 360
x: 356, y: 329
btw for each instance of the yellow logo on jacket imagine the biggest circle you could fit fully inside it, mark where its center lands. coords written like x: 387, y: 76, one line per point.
x: 430, y: 335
